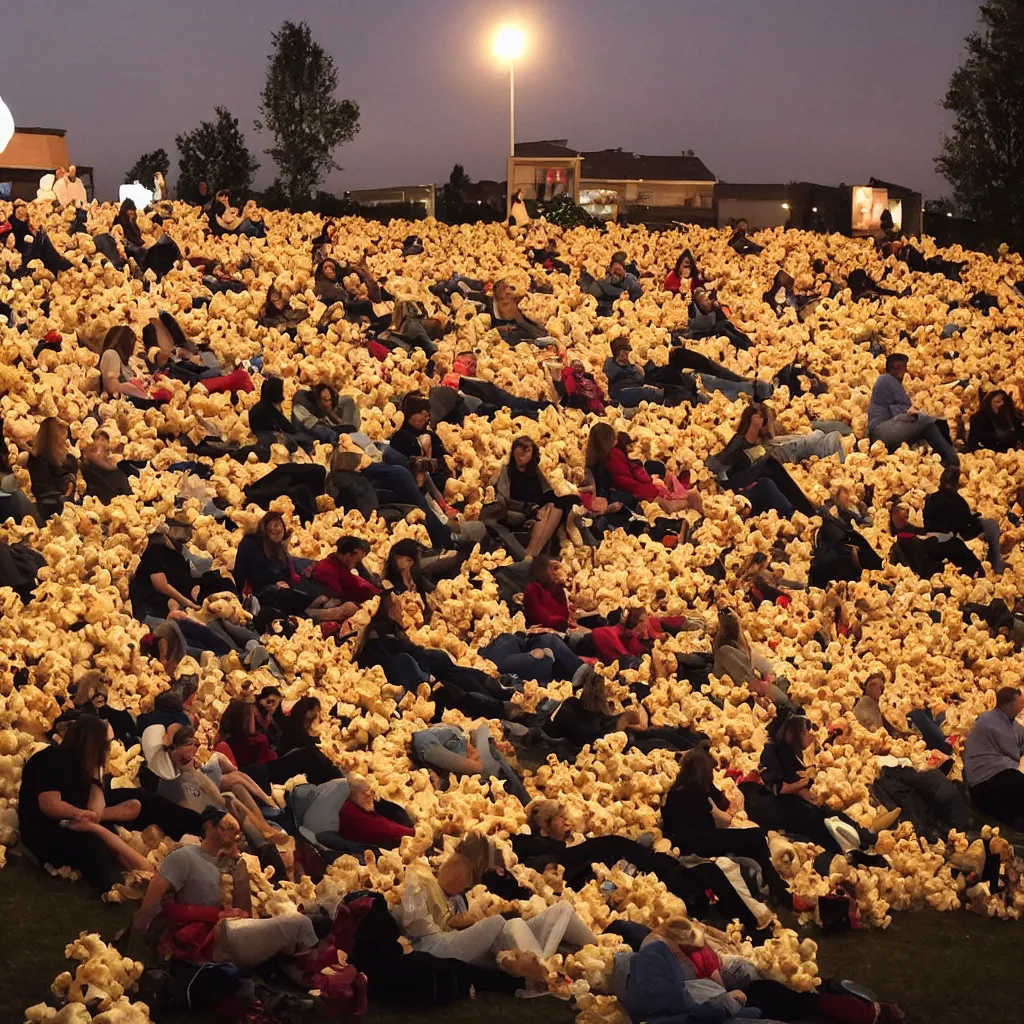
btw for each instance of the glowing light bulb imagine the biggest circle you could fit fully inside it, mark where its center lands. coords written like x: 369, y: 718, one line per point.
x: 509, y: 43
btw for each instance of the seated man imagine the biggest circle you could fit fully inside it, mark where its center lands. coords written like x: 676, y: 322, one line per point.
x: 187, y: 890
x: 711, y: 321
x: 511, y: 322
x: 992, y: 756
x: 226, y: 220
x: 740, y: 242
x: 344, y: 576
x: 626, y: 381
x: 616, y: 283
x: 893, y: 420
x: 946, y: 511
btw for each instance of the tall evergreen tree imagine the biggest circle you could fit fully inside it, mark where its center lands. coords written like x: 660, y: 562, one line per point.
x: 983, y: 157
x: 216, y: 153
x: 299, y: 108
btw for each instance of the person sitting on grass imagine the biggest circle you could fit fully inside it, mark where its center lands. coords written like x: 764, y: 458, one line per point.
x: 200, y: 928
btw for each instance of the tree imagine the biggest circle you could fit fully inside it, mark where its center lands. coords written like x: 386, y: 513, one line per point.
x: 983, y: 157
x: 299, y: 109
x: 145, y: 168
x: 216, y: 153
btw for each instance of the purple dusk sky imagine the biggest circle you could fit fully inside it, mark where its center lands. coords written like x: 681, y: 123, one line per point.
x: 786, y: 90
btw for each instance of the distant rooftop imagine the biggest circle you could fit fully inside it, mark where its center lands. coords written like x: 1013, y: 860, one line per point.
x: 618, y: 165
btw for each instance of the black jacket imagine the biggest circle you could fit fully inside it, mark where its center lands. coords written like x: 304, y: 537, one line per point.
x: 948, y: 512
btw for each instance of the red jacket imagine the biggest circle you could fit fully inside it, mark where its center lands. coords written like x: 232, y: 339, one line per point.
x: 254, y: 749
x: 342, y: 581
x: 615, y: 642
x: 674, y: 283
x: 628, y: 475
x: 191, y: 931
x: 543, y: 607
x: 361, y: 826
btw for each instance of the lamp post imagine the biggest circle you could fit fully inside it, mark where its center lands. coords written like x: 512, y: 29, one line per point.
x: 509, y: 44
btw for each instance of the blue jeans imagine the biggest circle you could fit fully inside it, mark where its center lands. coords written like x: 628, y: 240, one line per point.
x: 402, y: 485
x: 251, y: 229
x: 732, y: 389
x: 512, y: 655
x: 929, y: 728
x: 630, y: 398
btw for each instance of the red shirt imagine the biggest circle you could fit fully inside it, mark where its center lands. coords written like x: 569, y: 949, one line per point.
x: 332, y: 573
x: 254, y: 749
x: 545, y: 607
x: 628, y: 475
x: 361, y: 826
x: 705, y: 961
x: 615, y: 642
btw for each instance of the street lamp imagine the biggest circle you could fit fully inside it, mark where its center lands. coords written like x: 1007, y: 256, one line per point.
x: 509, y: 45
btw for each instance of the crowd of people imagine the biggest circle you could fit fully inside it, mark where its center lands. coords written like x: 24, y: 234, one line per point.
x: 425, y: 565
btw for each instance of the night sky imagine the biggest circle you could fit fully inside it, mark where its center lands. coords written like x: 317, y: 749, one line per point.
x: 761, y: 91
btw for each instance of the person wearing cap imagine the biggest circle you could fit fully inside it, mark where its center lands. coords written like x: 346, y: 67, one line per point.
x: 201, y: 929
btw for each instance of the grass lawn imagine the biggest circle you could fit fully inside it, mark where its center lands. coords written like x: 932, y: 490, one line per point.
x: 941, y: 968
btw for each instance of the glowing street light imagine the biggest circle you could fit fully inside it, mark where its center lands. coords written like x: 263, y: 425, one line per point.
x: 509, y: 45
x: 6, y: 126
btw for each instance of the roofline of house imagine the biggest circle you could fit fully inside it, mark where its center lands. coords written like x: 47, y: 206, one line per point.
x: 41, y: 131
x: 653, y: 181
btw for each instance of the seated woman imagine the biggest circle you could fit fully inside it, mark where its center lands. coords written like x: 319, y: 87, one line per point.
x: 710, y: 320
x: 103, y: 475
x: 546, y: 601
x: 433, y: 916
x: 52, y: 469
x: 170, y: 753
x: 91, y: 698
x: 750, y: 470
x: 14, y: 502
x: 740, y: 242
x: 789, y: 780
x: 616, y: 474
x: 240, y: 739
x: 781, y: 295
x: 745, y: 664
x: 127, y: 220
x: 268, y: 421
x: 924, y: 551
x: 329, y: 288
x: 410, y: 328
x: 124, y: 375
x: 321, y: 415
x: 997, y: 426
x: 684, y: 277
x: 510, y: 321
x: 299, y: 734
x: 414, y: 439
x: 62, y: 813
x: 280, y: 314
x: 580, y: 389
x: 840, y: 554
x: 33, y: 243
x: 225, y: 219
x: 385, y: 643
x: 529, y: 502
x: 695, y: 817
x: 403, y: 570
x: 449, y: 750
x: 798, y: 447
x: 466, y: 531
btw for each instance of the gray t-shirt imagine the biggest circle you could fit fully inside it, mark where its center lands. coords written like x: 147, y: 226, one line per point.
x: 194, y: 875
x: 186, y: 791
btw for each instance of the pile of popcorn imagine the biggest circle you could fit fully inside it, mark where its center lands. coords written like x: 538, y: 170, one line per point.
x: 79, y: 619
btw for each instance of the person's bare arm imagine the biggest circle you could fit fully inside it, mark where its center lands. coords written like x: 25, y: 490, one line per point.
x: 54, y: 806
x: 162, y: 586
x: 159, y: 887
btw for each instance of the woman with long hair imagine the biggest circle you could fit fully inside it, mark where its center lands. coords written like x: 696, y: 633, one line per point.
x: 684, y: 278
x: 614, y: 470
x: 749, y: 469
x: 14, y: 503
x: 278, y: 313
x: 51, y: 468
x: 531, y: 503
x: 118, y: 375
x: 997, y: 426
x: 404, y: 571
x: 62, y: 810
x: 745, y: 664
x: 264, y: 567
x: 696, y: 817
x: 248, y: 747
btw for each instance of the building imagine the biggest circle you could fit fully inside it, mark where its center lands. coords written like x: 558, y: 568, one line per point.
x: 849, y: 210
x: 31, y: 153
x: 614, y: 184
x: 399, y: 195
